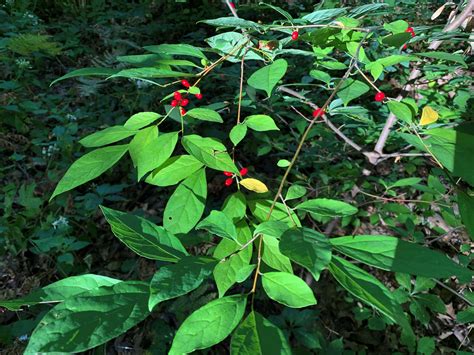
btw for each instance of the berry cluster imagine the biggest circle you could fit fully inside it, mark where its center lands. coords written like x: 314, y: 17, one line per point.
x: 178, y: 99
x: 231, y: 176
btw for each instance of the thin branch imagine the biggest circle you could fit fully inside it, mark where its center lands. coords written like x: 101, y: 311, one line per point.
x: 454, y: 292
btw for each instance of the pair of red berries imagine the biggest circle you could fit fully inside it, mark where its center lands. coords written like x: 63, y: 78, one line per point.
x: 230, y: 178
x: 411, y: 31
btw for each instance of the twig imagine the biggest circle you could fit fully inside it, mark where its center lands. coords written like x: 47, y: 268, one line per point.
x: 454, y: 292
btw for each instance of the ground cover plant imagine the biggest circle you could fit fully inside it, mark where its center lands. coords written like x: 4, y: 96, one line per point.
x: 271, y: 179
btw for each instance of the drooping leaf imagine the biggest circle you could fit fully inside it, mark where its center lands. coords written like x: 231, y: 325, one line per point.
x: 210, y: 152
x: 327, y: 207
x: 235, y: 206
x: 401, y: 110
x: 89, y: 166
x: 176, y: 49
x: 267, y: 77
x: 219, y: 224
x: 144, y: 237
x: 294, y: 192
x: 174, y: 170
x: 141, y: 119
x: 149, y: 73
x: 274, y: 229
x: 178, y: 279
x: 106, y: 136
x: 288, y: 289
x: 272, y: 255
x: 87, y: 72
x: 237, y: 133
x: 428, y: 116
x: 208, y: 325
x: 307, y: 248
x: 320, y: 16
x: 149, y: 150
x: 205, y: 114
x: 227, y: 272
x: 449, y: 57
x: 394, y: 254
x: 186, y: 205
x: 60, y: 290
x: 396, y: 40
x: 258, y: 336
x: 91, y: 318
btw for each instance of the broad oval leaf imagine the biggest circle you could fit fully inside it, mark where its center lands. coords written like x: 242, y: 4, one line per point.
x: 327, y: 207
x: 91, y: 319
x: 89, y: 166
x: 106, y: 136
x: 288, y: 289
x: 393, y: 254
x: 352, y: 89
x: 60, y: 291
x: 186, y: 205
x: 267, y: 77
x: 178, y: 279
x: 261, y: 208
x: 237, y: 133
x: 401, y: 111
x: 235, y: 206
x: 235, y: 22
x: 141, y: 119
x: 174, y: 170
x: 273, y: 257
x: 307, y: 248
x: 205, y: 114
x: 258, y: 336
x: 144, y: 237
x: 261, y: 123
x: 219, y: 224
x: 228, y: 271
x: 254, y: 185
x: 210, y: 152
x: 209, y: 325
x: 428, y: 116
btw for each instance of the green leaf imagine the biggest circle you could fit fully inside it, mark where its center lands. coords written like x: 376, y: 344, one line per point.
x: 171, y: 281
x: 235, y: 206
x: 60, y: 290
x: 405, y: 182
x: 106, y: 136
x: 186, y: 205
x: 393, y: 254
x: 210, y: 152
x: 294, y: 192
x: 395, y: 59
x: 320, y: 75
x: 144, y: 237
x: 449, y: 57
x: 261, y: 208
x: 267, y: 77
x: 176, y: 49
x: 352, y: 89
x: 376, y: 69
x: 237, y: 133
x: 89, y: 166
x: 226, y: 273
x: 230, y: 42
x: 327, y: 207
x: 307, y: 248
x: 261, y: 123
x: 149, y: 151
x: 370, y: 290
x: 87, y: 72
x: 219, y: 224
x: 396, y: 40
x: 272, y: 256
x: 205, y: 114
x: 149, y: 73
x: 319, y: 16
x: 398, y: 26
x: 465, y: 316
x: 426, y: 346
x: 141, y: 119
x: 288, y: 289
x: 273, y: 229
x: 91, y: 319
x: 232, y: 21
x: 208, y: 325
x: 279, y: 10
x: 401, y: 110
x: 226, y: 246
x: 466, y: 208
x: 174, y: 170
x: 258, y: 336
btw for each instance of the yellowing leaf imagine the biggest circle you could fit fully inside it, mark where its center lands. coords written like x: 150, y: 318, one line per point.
x: 254, y: 185
x: 428, y: 116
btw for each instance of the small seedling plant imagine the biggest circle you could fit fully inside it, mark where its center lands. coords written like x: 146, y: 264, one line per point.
x: 263, y: 237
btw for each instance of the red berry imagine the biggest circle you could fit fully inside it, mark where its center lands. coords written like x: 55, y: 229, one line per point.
x: 183, y: 111
x: 174, y: 103
x: 379, y: 96
x: 318, y: 112
x: 185, y: 83
x: 228, y: 181
x: 228, y: 173
x: 184, y: 102
x: 244, y: 171
x: 232, y: 5
x: 177, y: 95
x: 411, y: 31
x: 294, y: 35
x: 404, y: 46
x: 199, y: 96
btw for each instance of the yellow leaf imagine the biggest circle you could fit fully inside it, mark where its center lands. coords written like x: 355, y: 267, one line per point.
x: 428, y: 116
x: 254, y: 185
